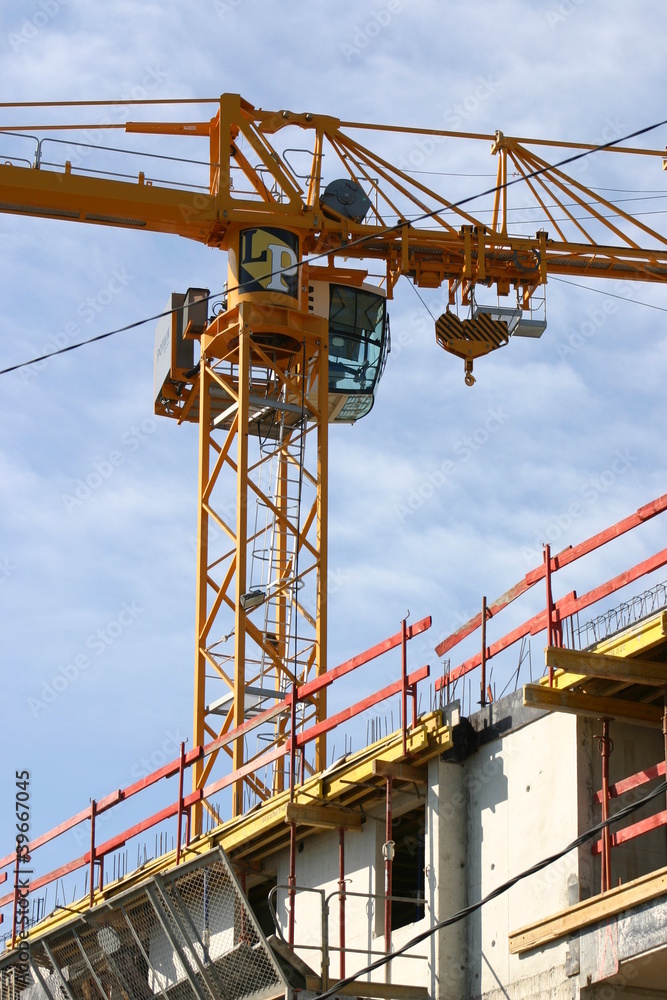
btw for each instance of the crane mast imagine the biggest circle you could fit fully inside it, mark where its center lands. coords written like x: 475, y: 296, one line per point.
x: 298, y: 341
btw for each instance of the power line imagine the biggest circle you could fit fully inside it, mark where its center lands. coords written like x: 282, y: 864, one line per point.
x: 499, y: 891
x: 610, y: 295
x: 360, y: 241
x: 92, y: 340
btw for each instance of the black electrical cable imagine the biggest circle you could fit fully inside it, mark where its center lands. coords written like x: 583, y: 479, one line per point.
x: 91, y: 340
x: 466, y: 911
x: 386, y: 231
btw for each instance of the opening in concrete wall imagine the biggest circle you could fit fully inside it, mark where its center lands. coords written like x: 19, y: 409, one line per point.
x: 409, y: 835
x: 258, y: 897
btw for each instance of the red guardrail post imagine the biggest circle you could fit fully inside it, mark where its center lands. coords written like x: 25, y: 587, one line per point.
x: 550, y: 605
x: 388, y: 859
x: 341, y: 900
x: 93, y: 805
x: 605, y: 746
x: 404, y: 687
x: 664, y: 728
x: 482, y: 683
x: 291, y: 881
x: 292, y: 833
x: 180, y: 803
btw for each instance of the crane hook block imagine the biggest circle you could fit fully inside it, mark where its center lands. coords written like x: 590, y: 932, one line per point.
x: 470, y: 338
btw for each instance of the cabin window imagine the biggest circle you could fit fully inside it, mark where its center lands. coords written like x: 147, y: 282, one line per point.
x: 357, y: 327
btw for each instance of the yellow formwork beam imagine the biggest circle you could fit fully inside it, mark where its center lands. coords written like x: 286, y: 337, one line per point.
x: 590, y: 911
x: 399, y: 771
x: 575, y: 667
x: 322, y: 817
x: 593, y: 706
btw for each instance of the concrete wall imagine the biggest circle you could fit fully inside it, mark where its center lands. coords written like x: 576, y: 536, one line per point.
x: 521, y: 806
x: 517, y: 787
x: 505, y: 805
x: 317, y: 867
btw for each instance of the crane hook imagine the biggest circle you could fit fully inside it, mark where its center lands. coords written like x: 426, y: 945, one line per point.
x: 469, y: 377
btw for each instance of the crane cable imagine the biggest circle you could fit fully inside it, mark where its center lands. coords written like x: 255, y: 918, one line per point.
x: 498, y: 891
x: 354, y: 243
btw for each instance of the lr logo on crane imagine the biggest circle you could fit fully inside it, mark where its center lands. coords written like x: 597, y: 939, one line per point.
x: 268, y: 261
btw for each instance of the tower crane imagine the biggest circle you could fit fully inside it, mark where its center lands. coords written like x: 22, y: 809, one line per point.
x: 318, y: 228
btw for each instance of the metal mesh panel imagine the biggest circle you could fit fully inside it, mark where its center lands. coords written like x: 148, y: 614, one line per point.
x: 125, y: 958
x: 189, y: 935
x: 14, y: 984
x: 69, y: 960
x: 184, y: 957
x: 48, y: 975
x: 139, y: 956
x: 215, y: 908
x: 11, y: 987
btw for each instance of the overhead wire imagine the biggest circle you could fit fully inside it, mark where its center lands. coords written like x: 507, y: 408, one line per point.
x: 91, y: 340
x: 361, y: 240
x: 498, y: 891
x: 608, y: 294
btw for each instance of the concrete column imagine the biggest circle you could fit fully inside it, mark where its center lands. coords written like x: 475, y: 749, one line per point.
x: 446, y: 875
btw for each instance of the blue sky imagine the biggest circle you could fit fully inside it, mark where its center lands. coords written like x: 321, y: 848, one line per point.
x: 568, y: 423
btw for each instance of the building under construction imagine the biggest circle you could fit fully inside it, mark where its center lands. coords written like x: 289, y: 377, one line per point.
x: 514, y: 846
